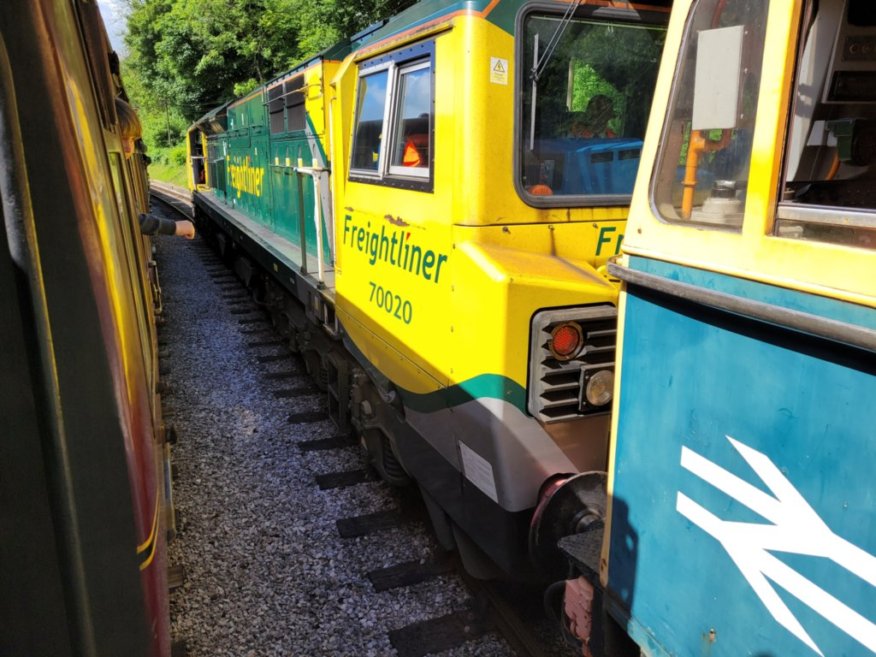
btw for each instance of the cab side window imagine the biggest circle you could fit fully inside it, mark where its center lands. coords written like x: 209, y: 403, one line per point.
x: 585, y: 92
x: 705, y: 152
x: 369, y: 122
x: 411, y: 143
x: 393, y: 134
x: 828, y: 192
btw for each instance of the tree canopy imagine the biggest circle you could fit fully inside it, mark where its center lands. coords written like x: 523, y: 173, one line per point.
x: 188, y: 56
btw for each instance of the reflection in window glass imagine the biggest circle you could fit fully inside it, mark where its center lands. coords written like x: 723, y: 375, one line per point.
x: 702, y: 170
x: 586, y: 107
x: 411, y: 138
x: 368, y: 137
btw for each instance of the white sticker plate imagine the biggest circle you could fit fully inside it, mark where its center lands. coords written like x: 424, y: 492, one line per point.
x: 478, y: 471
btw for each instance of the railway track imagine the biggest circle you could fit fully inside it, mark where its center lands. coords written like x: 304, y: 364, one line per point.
x: 178, y: 198
x: 351, y: 557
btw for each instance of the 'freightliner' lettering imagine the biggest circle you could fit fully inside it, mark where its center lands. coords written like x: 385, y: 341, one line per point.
x: 245, y: 177
x: 395, y: 248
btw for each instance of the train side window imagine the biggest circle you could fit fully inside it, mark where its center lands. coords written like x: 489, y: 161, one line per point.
x: 216, y: 163
x: 294, y: 92
x: 393, y: 134
x: 703, y: 164
x: 95, y: 44
x: 286, y: 105
x: 275, y: 109
x: 370, y: 118
x: 130, y: 240
x: 411, y: 139
x: 829, y: 186
x: 585, y: 88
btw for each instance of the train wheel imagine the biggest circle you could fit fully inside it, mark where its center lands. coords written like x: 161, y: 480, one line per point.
x: 383, y: 458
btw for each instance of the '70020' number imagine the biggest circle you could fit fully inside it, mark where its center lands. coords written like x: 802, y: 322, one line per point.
x: 391, y: 303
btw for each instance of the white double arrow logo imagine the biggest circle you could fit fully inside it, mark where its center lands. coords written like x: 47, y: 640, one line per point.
x: 795, y: 528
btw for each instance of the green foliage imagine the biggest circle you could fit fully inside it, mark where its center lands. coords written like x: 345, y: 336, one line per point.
x: 164, y: 170
x: 587, y: 83
x: 189, y: 56
x: 617, y: 63
x: 243, y: 88
x: 177, y: 154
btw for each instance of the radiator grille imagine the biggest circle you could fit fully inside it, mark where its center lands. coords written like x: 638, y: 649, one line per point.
x: 556, y: 388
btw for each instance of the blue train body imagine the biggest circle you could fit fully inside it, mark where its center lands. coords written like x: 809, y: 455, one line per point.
x: 742, y: 492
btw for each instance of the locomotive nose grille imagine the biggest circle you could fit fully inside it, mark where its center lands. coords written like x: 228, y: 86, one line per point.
x: 557, y: 388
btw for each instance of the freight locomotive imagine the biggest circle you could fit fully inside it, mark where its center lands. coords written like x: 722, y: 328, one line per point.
x: 427, y: 209
x: 82, y: 503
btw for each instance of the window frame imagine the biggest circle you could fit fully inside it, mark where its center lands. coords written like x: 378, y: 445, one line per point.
x: 396, y: 106
x: 691, y: 34
x: 358, y: 173
x: 648, y: 17
x: 274, y: 96
x: 295, y: 102
x: 791, y: 216
x: 397, y: 64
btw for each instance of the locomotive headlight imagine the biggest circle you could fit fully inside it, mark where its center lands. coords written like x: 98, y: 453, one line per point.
x: 566, y: 341
x: 599, y: 388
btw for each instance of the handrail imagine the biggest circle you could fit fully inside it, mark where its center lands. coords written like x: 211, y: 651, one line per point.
x: 313, y: 172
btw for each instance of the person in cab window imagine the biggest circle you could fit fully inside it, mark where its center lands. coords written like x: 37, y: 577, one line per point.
x: 416, y: 147
x: 411, y: 156
x: 131, y: 130
x: 595, y: 119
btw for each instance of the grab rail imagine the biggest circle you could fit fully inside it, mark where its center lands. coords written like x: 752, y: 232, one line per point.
x: 314, y: 173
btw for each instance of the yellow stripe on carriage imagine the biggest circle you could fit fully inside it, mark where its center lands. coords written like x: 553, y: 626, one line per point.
x: 150, y: 542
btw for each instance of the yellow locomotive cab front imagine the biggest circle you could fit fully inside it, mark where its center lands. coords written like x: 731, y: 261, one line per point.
x: 453, y: 270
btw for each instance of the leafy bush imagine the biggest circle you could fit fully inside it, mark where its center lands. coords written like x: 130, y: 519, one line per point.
x: 177, y: 155
x: 188, y: 56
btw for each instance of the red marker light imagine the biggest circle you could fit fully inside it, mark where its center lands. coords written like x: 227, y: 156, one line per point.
x: 566, y: 341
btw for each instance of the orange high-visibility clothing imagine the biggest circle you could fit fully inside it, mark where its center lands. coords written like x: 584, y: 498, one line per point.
x: 415, y: 144
x: 411, y: 156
